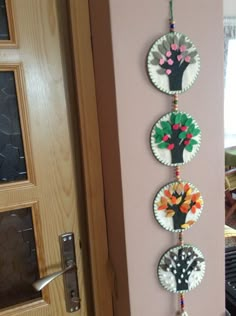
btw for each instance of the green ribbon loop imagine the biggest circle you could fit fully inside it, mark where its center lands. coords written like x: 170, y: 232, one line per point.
x: 171, y: 11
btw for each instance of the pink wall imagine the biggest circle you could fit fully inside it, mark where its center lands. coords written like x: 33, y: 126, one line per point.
x: 128, y: 107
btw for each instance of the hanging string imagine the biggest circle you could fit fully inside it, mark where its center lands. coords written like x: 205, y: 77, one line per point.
x: 182, y: 311
x: 175, y: 102
x: 175, y: 109
x: 181, y: 240
x: 177, y: 173
x: 172, y: 22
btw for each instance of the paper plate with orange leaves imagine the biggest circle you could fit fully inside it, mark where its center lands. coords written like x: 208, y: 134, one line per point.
x: 177, y: 206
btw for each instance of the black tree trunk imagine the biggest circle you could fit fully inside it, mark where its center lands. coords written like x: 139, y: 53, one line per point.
x: 179, y: 218
x: 175, y: 80
x: 178, y: 150
x: 177, y: 154
x: 183, y: 286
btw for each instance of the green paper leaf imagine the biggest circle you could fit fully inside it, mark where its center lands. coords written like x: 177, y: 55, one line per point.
x: 167, y: 131
x: 163, y: 145
x: 161, y: 49
x: 196, y: 132
x: 188, y: 122
x: 166, y: 126
x: 188, y: 44
x: 158, y: 138
x: 178, y: 118
x: 172, y: 118
x: 182, y: 135
x: 191, y: 128
x: 184, y: 54
x: 161, y: 71
x: 193, y: 61
x: 155, y: 61
x: 166, y: 45
x: 193, y: 142
x: 175, y: 40
x: 189, y: 148
x: 159, y: 131
x: 157, y: 55
x: 193, y: 54
x: 182, y: 40
x: 170, y: 38
x: 184, y: 119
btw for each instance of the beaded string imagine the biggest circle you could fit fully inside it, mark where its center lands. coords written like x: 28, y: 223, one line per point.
x: 177, y: 168
x: 182, y: 303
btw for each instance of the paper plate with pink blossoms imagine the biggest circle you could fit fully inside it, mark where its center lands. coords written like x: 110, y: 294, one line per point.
x: 177, y: 206
x: 175, y: 138
x: 173, y: 63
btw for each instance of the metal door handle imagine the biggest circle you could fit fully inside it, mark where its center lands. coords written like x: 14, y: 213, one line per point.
x: 69, y: 271
x: 41, y: 283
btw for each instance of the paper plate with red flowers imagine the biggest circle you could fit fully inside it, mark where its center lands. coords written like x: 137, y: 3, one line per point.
x: 181, y: 269
x: 173, y: 63
x: 175, y: 138
x: 177, y: 206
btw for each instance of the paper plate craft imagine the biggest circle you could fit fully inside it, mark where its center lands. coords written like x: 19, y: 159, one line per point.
x: 181, y: 269
x: 175, y: 138
x: 173, y: 63
x: 177, y: 206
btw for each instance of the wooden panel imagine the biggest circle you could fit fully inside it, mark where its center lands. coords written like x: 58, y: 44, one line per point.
x: 48, y: 121
x: 12, y: 42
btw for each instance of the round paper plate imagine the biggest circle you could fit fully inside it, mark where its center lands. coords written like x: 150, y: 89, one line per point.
x: 173, y: 63
x: 181, y: 269
x: 175, y: 138
x: 177, y: 206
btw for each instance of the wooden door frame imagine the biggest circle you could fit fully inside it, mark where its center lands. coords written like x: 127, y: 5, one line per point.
x: 101, y: 271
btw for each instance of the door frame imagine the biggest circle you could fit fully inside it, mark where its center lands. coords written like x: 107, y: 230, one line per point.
x: 84, y: 85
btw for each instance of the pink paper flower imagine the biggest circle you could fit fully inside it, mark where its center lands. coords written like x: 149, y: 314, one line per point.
x: 182, y: 48
x: 179, y: 57
x: 175, y: 127
x: 161, y: 61
x: 165, y: 138
x: 171, y: 146
x: 168, y: 71
x: 170, y: 62
x: 187, y: 59
x: 168, y: 53
x: 174, y: 46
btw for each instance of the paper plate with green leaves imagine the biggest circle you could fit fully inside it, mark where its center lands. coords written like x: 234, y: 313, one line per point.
x: 181, y: 269
x: 177, y: 206
x: 173, y: 63
x: 175, y: 138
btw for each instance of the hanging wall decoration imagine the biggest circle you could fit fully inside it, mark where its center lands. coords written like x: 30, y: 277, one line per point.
x: 173, y: 64
x: 175, y: 138
x: 181, y: 269
x: 177, y: 206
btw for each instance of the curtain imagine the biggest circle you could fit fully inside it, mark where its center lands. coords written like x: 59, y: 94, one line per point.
x: 229, y: 33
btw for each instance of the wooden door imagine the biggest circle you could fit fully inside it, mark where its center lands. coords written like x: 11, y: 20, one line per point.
x: 40, y: 185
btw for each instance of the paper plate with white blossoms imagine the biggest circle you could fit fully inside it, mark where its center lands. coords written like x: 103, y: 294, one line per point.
x: 175, y: 138
x: 181, y: 269
x: 173, y: 63
x: 177, y: 206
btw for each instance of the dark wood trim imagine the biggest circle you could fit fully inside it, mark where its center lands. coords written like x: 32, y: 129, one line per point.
x: 91, y: 156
